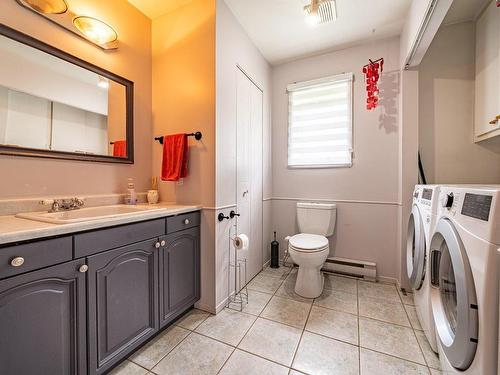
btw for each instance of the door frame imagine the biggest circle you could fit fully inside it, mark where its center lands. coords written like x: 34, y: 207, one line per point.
x: 240, y: 69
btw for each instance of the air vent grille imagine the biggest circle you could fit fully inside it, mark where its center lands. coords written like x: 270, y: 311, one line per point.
x: 323, y: 10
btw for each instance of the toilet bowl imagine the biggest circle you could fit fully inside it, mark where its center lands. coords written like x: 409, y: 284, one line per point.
x: 310, y: 248
x: 309, y: 252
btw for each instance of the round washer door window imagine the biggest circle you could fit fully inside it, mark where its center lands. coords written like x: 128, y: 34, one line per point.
x: 415, y: 249
x: 455, y: 309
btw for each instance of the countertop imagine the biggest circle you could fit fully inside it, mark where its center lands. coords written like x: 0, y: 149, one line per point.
x: 14, y: 229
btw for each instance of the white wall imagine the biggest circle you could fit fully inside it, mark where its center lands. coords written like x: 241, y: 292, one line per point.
x: 234, y: 49
x: 368, y: 193
x: 446, y: 113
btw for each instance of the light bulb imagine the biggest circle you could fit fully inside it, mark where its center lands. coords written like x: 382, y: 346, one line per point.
x: 96, y: 30
x: 48, y: 6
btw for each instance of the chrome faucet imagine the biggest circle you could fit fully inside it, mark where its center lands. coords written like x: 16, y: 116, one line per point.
x: 64, y: 204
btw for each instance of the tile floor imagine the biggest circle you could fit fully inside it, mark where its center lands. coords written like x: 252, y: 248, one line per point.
x: 354, y: 327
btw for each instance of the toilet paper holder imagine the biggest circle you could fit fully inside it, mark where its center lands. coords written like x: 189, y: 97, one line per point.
x: 237, y: 285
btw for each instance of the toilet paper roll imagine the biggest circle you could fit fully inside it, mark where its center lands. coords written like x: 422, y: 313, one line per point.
x: 241, y: 242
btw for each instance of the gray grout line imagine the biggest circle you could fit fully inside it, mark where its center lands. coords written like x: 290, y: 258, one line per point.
x: 303, y: 330
x: 248, y: 330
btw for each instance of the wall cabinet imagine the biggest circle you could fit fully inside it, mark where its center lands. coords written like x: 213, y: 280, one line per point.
x: 487, y: 89
x: 83, y: 316
x: 43, y: 322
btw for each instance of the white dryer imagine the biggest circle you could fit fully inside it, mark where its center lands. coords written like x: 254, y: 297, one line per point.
x: 420, y: 228
x: 464, y: 278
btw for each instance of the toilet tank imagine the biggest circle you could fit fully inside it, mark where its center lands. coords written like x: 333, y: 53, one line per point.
x: 316, y: 218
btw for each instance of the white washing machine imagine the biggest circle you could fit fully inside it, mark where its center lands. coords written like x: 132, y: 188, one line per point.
x: 420, y: 228
x: 464, y: 278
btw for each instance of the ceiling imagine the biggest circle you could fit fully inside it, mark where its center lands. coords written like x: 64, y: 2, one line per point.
x: 156, y: 8
x: 464, y: 10
x: 278, y: 29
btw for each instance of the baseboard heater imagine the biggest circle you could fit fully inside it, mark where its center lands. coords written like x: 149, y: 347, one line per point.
x: 357, y: 268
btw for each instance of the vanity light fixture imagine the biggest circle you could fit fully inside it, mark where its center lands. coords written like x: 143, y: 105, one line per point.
x: 48, y: 6
x: 96, y: 30
x: 87, y: 27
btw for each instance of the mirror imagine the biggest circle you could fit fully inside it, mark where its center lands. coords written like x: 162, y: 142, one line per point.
x: 55, y: 105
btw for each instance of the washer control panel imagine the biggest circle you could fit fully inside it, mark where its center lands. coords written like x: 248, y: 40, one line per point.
x: 477, y: 206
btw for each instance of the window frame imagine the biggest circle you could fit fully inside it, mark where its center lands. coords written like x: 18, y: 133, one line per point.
x: 329, y: 79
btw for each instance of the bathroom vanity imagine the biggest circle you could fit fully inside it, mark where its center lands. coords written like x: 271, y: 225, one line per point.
x: 80, y: 302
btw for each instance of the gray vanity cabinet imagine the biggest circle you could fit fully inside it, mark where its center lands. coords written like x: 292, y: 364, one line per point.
x: 43, y: 322
x: 179, y: 273
x: 122, y: 302
x: 80, y: 303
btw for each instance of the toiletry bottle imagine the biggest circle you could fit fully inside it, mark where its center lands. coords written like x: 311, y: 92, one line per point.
x: 131, y: 195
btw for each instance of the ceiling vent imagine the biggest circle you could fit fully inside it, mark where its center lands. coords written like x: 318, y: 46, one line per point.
x: 320, y: 11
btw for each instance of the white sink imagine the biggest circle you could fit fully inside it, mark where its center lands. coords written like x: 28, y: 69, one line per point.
x: 84, y: 214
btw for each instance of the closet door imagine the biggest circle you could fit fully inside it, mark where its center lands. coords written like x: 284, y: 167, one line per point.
x: 249, y: 170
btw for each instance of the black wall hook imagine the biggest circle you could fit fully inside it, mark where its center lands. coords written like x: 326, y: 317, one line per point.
x: 232, y: 214
x: 221, y: 217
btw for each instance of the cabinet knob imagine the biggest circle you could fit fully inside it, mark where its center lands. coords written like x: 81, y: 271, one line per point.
x: 186, y: 221
x: 83, y: 268
x: 17, y: 262
x: 162, y: 243
x: 157, y: 245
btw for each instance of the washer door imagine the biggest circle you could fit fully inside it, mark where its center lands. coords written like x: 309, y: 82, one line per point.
x: 455, y: 309
x: 415, y: 249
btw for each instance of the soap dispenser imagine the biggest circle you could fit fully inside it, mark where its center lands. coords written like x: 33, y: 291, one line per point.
x: 131, y: 194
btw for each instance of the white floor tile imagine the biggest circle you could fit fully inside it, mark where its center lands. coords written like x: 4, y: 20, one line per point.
x: 192, y: 319
x: 287, y: 311
x: 243, y: 363
x: 228, y: 326
x: 150, y: 354
x: 335, y: 324
x: 380, y: 309
x: 373, y: 363
x: 340, y: 301
x: 196, y: 355
x: 271, y: 340
x: 390, y: 339
x: 320, y: 355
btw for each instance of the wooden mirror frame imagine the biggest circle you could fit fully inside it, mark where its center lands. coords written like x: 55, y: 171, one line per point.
x: 129, y: 98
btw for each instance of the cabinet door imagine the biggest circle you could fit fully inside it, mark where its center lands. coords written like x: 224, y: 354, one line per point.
x: 487, y: 101
x: 43, y: 322
x: 179, y: 273
x: 123, y: 302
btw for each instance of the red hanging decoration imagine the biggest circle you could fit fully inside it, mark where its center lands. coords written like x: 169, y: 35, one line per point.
x: 371, y: 72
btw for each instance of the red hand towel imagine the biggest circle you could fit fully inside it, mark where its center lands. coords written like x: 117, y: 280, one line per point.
x: 175, y: 157
x: 120, y: 149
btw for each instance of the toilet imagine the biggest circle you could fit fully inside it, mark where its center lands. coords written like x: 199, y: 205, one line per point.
x: 310, y: 248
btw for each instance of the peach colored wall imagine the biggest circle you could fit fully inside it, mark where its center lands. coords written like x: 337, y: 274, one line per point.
x: 184, y: 95
x: 21, y: 176
x: 184, y: 102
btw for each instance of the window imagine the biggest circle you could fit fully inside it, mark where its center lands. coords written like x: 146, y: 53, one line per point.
x: 320, y: 122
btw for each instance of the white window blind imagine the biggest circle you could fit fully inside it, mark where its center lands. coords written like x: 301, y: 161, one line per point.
x: 320, y: 122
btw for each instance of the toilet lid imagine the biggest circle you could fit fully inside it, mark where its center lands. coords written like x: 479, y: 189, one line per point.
x: 305, y: 241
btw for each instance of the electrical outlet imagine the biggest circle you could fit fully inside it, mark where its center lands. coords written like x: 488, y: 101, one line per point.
x: 180, y: 182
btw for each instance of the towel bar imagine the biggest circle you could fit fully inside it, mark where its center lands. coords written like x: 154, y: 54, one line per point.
x: 196, y: 136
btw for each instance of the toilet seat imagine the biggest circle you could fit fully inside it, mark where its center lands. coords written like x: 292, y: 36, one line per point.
x: 308, y: 243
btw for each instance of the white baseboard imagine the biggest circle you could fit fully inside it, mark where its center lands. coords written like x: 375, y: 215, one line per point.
x: 203, y: 307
